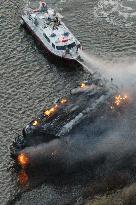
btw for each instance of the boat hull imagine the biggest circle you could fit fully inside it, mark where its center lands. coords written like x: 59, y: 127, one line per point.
x: 49, y: 54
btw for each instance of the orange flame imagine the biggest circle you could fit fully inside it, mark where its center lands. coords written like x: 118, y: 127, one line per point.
x: 23, y: 178
x: 23, y: 160
x: 119, y: 99
x: 63, y: 101
x: 35, y: 123
x: 82, y: 85
x: 51, y: 110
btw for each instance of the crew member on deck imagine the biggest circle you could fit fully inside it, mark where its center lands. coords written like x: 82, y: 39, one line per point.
x: 43, y: 7
x: 56, y: 23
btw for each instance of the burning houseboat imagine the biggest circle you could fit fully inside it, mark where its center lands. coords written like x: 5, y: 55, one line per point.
x: 88, y: 100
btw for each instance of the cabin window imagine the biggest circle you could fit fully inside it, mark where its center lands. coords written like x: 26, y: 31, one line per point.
x: 53, y: 45
x: 66, y: 34
x: 46, y: 37
x: 60, y: 47
x: 72, y: 45
x: 53, y: 35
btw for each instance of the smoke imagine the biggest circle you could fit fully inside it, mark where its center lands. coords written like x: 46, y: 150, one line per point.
x: 42, y: 152
x: 123, y: 72
x: 112, y: 136
x: 103, y: 150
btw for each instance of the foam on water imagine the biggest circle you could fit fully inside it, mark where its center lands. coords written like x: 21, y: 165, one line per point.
x: 116, y: 12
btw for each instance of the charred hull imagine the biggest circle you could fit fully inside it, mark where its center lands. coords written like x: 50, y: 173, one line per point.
x: 88, y: 101
x: 32, y: 140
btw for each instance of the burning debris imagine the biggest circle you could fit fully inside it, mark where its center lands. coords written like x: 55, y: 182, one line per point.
x: 82, y: 85
x: 36, y: 122
x: 55, y: 108
x: 23, y: 160
x: 119, y: 101
x: 63, y: 100
x: 51, y: 111
x: 89, y: 100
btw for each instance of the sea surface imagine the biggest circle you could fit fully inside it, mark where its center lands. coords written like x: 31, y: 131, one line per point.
x: 29, y: 82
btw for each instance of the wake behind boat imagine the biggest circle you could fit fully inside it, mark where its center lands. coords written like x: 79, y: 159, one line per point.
x: 47, y: 27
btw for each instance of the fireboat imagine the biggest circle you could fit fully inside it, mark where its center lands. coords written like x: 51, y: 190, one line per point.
x: 46, y: 25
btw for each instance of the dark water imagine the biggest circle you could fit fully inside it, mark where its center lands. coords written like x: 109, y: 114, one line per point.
x: 29, y: 81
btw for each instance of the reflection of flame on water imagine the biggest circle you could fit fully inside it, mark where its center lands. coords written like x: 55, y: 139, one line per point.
x: 23, y: 160
x: 23, y: 178
x: 82, y: 85
x: 51, y: 111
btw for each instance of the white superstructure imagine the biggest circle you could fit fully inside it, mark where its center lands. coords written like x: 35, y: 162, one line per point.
x: 48, y: 27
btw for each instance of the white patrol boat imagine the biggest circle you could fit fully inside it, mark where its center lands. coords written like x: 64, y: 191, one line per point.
x: 46, y: 25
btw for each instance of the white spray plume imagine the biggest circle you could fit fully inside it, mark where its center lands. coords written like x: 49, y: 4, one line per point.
x: 122, y: 72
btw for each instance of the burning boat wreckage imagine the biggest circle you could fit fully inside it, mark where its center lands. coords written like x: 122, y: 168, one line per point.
x: 89, y: 100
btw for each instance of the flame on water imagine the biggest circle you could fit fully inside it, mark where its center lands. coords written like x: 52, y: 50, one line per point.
x: 51, y: 111
x: 23, y: 160
x: 23, y: 178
